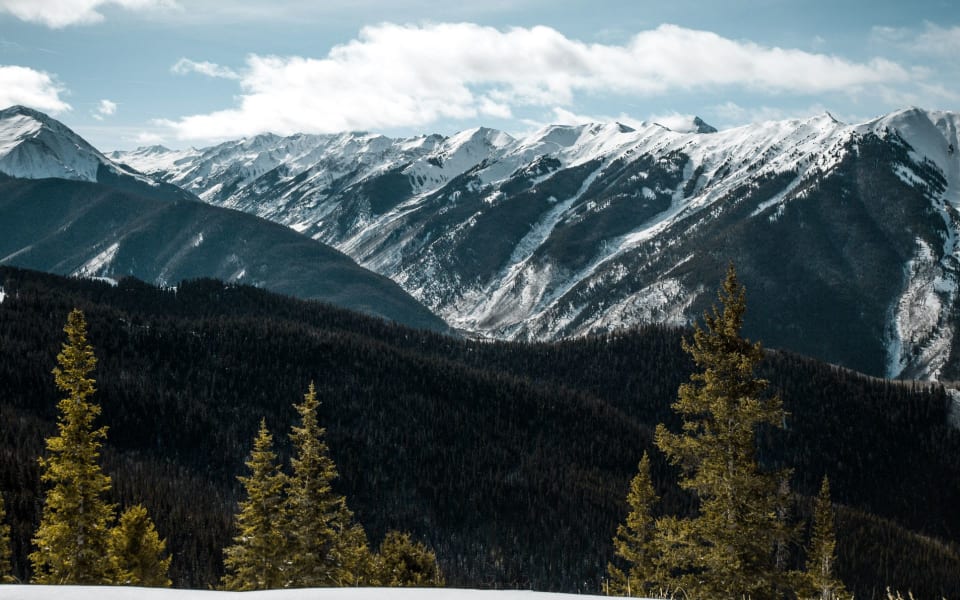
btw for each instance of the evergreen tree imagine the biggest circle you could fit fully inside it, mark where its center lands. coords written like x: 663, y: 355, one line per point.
x: 728, y: 550
x: 327, y: 547
x: 635, y: 539
x: 138, y: 550
x: 402, y: 562
x: 822, y: 555
x: 73, y: 540
x: 6, y: 570
x: 256, y: 560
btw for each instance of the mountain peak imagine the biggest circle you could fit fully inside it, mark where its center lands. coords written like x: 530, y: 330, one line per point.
x: 686, y: 124
x: 702, y: 126
x: 34, y: 145
x: 19, y: 109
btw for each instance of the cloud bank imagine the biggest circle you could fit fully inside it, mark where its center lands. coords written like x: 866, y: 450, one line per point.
x: 26, y: 86
x: 62, y: 13
x: 410, y: 76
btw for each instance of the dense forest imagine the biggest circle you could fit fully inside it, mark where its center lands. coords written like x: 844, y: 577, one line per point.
x: 511, y: 461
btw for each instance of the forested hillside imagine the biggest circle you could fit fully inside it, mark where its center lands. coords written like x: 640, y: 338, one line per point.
x: 510, y: 460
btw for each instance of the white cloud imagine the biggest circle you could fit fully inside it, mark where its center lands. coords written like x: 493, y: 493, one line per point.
x: 932, y: 41
x: 62, y: 13
x: 105, y: 108
x: 937, y: 41
x: 185, y: 66
x: 36, y: 89
x: 406, y: 75
x: 731, y: 114
x: 146, y: 138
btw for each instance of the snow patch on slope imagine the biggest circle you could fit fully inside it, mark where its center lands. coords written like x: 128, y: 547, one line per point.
x: 666, y: 301
x: 98, y: 263
x: 920, y: 341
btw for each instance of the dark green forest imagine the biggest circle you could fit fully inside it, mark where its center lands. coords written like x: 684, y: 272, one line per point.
x: 510, y: 460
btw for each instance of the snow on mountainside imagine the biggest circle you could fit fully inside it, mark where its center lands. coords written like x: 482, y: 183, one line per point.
x: 68, y: 209
x: 34, y: 146
x: 845, y: 234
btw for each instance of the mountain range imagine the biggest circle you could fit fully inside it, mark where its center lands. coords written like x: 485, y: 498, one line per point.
x: 844, y: 234
x: 68, y: 209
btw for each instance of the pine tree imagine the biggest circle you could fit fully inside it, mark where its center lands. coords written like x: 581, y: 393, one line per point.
x: 327, y: 547
x: 6, y: 569
x: 822, y: 555
x: 73, y: 540
x: 138, y: 550
x: 728, y: 550
x: 256, y: 560
x: 401, y: 562
x: 635, y: 540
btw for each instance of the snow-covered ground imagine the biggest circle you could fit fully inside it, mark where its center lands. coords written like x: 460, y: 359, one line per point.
x: 51, y: 592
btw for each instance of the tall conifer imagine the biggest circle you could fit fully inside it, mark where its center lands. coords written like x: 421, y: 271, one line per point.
x: 6, y: 569
x: 327, y: 547
x: 257, y: 559
x: 635, y: 540
x: 72, y: 542
x: 728, y: 550
x: 822, y: 555
x: 139, y: 551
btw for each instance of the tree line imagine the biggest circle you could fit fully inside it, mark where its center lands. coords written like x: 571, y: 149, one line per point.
x: 510, y: 460
x: 291, y: 531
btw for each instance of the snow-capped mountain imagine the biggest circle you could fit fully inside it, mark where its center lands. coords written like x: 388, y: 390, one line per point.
x: 35, y: 146
x: 68, y: 209
x: 846, y: 235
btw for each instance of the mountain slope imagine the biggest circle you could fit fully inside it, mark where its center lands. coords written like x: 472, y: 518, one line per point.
x: 511, y: 460
x: 845, y: 234
x: 66, y: 208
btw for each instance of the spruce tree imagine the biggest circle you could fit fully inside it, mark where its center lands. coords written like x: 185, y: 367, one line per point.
x: 635, y: 540
x: 822, y: 554
x: 326, y: 547
x: 728, y: 550
x: 256, y: 560
x: 138, y: 550
x: 6, y: 569
x: 73, y: 540
x: 401, y: 562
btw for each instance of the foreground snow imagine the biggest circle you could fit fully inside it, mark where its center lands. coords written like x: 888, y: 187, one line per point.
x: 52, y: 592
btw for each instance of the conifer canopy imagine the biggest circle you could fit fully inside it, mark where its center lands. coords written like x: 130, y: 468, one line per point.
x: 73, y: 540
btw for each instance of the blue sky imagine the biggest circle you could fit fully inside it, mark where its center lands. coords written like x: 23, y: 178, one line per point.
x: 125, y: 73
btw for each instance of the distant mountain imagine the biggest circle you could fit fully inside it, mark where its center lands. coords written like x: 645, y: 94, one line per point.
x: 66, y: 208
x: 845, y: 235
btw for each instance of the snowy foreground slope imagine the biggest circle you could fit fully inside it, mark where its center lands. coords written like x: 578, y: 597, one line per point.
x: 44, y: 592
x: 846, y: 234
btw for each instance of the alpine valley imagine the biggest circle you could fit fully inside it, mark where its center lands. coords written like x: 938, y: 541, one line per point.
x: 846, y: 236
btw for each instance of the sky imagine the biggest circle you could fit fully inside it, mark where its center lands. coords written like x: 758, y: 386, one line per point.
x: 128, y: 73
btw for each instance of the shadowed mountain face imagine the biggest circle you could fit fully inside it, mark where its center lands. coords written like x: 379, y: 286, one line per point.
x: 67, y: 209
x: 845, y: 235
